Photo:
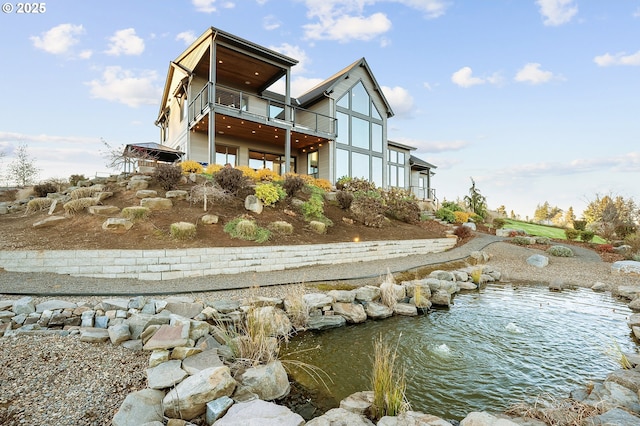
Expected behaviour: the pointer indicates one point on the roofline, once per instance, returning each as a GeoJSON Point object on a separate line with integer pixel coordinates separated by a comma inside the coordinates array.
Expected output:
{"type": "Point", "coordinates": [401, 145]}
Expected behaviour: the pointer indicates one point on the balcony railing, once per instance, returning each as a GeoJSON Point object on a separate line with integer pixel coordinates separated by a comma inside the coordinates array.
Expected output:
{"type": "Point", "coordinates": [262, 108]}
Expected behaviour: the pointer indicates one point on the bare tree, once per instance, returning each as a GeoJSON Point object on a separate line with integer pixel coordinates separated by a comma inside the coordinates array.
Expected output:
{"type": "Point", "coordinates": [22, 169]}
{"type": "Point", "coordinates": [119, 159]}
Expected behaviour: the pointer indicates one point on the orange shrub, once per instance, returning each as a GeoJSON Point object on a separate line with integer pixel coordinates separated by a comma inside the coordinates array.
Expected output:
{"type": "Point", "coordinates": [462, 217]}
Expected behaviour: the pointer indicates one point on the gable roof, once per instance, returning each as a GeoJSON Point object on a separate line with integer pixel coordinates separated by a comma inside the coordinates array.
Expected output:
{"type": "Point", "coordinates": [318, 92]}
{"type": "Point", "coordinates": [419, 164]}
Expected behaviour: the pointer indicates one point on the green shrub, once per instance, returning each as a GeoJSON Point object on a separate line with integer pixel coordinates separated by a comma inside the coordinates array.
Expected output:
{"type": "Point", "coordinates": [587, 236]}
{"type": "Point", "coordinates": [269, 193]}
{"type": "Point", "coordinates": [446, 215]}
{"type": "Point", "coordinates": [560, 251]}
{"type": "Point", "coordinates": [344, 199]}
{"type": "Point", "coordinates": [499, 222]}
{"type": "Point", "coordinates": [453, 206]}
{"type": "Point", "coordinates": [41, 190]}
{"type": "Point", "coordinates": [167, 176]}
{"type": "Point", "coordinates": [231, 180]}
{"type": "Point", "coordinates": [182, 230]}
{"type": "Point", "coordinates": [579, 225]}
{"type": "Point", "coordinates": [571, 234]}
{"type": "Point", "coordinates": [292, 184]}
{"type": "Point", "coordinates": [521, 241]}
{"type": "Point", "coordinates": [247, 229]}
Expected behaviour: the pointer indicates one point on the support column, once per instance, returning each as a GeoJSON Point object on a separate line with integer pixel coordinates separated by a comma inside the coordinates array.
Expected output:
{"type": "Point", "coordinates": [212, 96]}
{"type": "Point", "coordinates": [287, 118]}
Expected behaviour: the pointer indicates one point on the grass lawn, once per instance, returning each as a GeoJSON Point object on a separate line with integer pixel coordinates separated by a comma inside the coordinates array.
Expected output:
{"type": "Point", "coordinates": [543, 230]}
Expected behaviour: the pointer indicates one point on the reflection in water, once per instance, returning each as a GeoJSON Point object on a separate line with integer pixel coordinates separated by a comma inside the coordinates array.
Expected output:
{"type": "Point", "coordinates": [489, 350]}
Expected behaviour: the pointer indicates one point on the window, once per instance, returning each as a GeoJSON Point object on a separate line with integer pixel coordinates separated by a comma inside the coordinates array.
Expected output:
{"type": "Point", "coordinates": [360, 101]}
{"type": "Point", "coordinates": [183, 108]}
{"type": "Point", "coordinates": [396, 167]}
{"type": "Point", "coordinates": [226, 154]}
{"type": "Point", "coordinates": [359, 133]}
{"type": "Point", "coordinates": [342, 163]}
{"type": "Point", "coordinates": [343, 128]}
{"type": "Point", "coordinates": [274, 162]}
{"type": "Point", "coordinates": [312, 164]}
{"type": "Point", "coordinates": [376, 137]}
{"type": "Point", "coordinates": [360, 166]}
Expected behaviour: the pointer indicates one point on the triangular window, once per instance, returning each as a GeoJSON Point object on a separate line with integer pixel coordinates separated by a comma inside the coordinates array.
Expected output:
{"type": "Point", "coordinates": [360, 101]}
{"type": "Point", "coordinates": [344, 102]}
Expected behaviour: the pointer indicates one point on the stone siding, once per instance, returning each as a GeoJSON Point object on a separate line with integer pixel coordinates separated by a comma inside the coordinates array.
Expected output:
{"type": "Point", "coordinates": [184, 263]}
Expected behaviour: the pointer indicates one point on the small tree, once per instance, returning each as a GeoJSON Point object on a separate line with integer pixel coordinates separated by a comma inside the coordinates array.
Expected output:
{"type": "Point", "coordinates": [475, 201]}
{"type": "Point", "coordinates": [22, 169]}
{"type": "Point", "coordinates": [120, 160]}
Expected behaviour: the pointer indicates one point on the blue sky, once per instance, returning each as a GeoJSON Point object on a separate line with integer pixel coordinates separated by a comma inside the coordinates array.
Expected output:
{"type": "Point", "coordinates": [537, 100]}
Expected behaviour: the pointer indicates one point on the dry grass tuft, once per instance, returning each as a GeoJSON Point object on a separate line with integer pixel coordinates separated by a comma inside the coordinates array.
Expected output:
{"type": "Point", "coordinates": [183, 230]}
{"type": "Point", "coordinates": [38, 204]}
{"type": "Point", "coordinates": [388, 381]}
{"type": "Point", "coordinates": [85, 192]}
{"type": "Point", "coordinates": [555, 412]}
{"type": "Point", "coordinates": [76, 206]}
{"type": "Point", "coordinates": [297, 309]}
{"type": "Point", "coordinates": [135, 212]}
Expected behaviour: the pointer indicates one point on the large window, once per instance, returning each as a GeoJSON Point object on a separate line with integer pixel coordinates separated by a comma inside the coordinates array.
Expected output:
{"type": "Point", "coordinates": [274, 162]}
{"type": "Point", "coordinates": [312, 164]}
{"type": "Point", "coordinates": [226, 155]}
{"type": "Point", "coordinates": [360, 136]}
{"type": "Point", "coordinates": [397, 167]}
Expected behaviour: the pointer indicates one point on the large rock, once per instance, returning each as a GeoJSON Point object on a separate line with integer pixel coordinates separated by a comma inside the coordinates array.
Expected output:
{"type": "Point", "coordinates": [614, 417]}
{"type": "Point", "coordinates": [324, 322]}
{"type": "Point", "coordinates": [441, 298]}
{"type": "Point", "coordinates": [140, 407]}
{"type": "Point", "coordinates": [168, 336]}
{"type": "Point", "coordinates": [217, 408]}
{"type": "Point", "coordinates": [136, 184]}
{"type": "Point", "coordinates": [119, 333]}
{"type": "Point", "coordinates": [443, 275]}
{"type": "Point", "coordinates": [377, 310]}
{"type": "Point", "coordinates": [253, 204]}
{"type": "Point", "coordinates": [538, 260]}
{"type": "Point", "coordinates": [626, 267]}
{"type": "Point", "coordinates": [184, 309]}
{"type": "Point", "coordinates": [627, 291]}
{"type": "Point", "coordinates": [201, 361]}
{"type": "Point", "coordinates": [368, 293]}
{"type": "Point", "coordinates": [258, 412]}
{"type": "Point", "coordinates": [178, 194]}
{"type": "Point", "coordinates": [412, 418]}
{"type": "Point", "coordinates": [485, 419]}
{"type": "Point", "coordinates": [275, 320]}
{"type": "Point", "coordinates": [353, 312]}
{"type": "Point", "coordinates": [156, 203]}
{"type": "Point", "coordinates": [103, 210]}
{"type": "Point", "coordinates": [610, 395]}
{"type": "Point", "coordinates": [405, 309]}
{"type": "Point", "coordinates": [268, 382]}
{"type": "Point", "coordinates": [340, 416]}
{"type": "Point", "coordinates": [146, 193]}
{"type": "Point", "coordinates": [165, 375]}
{"type": "Point", "coordinates": [94, 335]}
{"type": "Point", "coordinates": [343, 296]}
{"type": "Point", "coordinates": [627, 378]}
{"type": "Point", "coordinates": [49, 221]}
{"type": "Point", "coordinates": [317, 300]}
{"type": "Point", "coordinates": [189, 398]}
{"type": "Point", "coordinates": [24, 305]}
{"type": "Point", "coordinates": [359, 403]}
{"type": "Point", "coordinates": [117, 224]}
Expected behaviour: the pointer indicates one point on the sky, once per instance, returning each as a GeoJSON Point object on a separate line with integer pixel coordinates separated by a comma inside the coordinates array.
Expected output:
{"type": "Point", "coordinates": [536, 100]}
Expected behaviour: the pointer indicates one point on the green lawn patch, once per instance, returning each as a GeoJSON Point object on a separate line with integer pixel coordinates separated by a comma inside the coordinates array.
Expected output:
{"type": "Point", "coordinates": [538, 230]}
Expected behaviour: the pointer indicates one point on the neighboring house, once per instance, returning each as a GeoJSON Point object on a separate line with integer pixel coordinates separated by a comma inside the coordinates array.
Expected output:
{"type": "Point", "coordinates": [216, 109]}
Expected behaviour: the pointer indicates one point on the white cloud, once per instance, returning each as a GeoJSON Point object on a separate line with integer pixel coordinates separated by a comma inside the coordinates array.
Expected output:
{"type": "Point", "coordinates": [557, 12]}
{"type": "Point", "coordinates": [532, 74]}
{"type": "Point", "coordinates": [636, 14]}
{"type": "Point", "coordinates": [271, 22]}
{"type": "Point", "coordinates": [60, 39]}
{"type": "Point", "coordinates": [187, 37]}
{"type": "Point", "coordinates": [295, 52]}
{"type": "Point", "coordinates": [464, 78]}
{"type": "Point", "coordinates": [434, 146]}
{"type": "Point", "coordinates": [127, 87]}
{"type": "Point", "coordinates": [617, 59]}
{"type": "Point", "coordinates": [209, 6]}
{"type": "Point", "coordinates": [346, 28]}
{"type": "Point", "coordinates": [431, 8]}
{"type": "Point", "coordinates": [125, 42]}
{"type": "Point", "coordinates": [427, 86]}
{"type": "Point", "coordinates": [400, 100]}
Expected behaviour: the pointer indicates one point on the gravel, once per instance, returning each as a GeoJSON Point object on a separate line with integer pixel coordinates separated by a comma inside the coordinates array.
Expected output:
{"type": "Point", "coordinates": [52, 379]}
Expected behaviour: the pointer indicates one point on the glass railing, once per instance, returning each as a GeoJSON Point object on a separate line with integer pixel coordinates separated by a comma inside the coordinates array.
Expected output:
{"type": "Point", "coordinates": [263, 108]}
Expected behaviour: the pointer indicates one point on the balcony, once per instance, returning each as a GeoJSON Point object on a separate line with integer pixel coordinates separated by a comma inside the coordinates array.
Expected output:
{"type": "Point", "coordinates": [251, 107]}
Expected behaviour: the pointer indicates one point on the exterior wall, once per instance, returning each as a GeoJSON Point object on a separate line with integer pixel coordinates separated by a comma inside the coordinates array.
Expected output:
{"type": "Point", "coordinates": [325, 168]}
{"type": "Point", "coordinates": [199, 149]}
{"type": "Point", "coordinates": [183, 263]}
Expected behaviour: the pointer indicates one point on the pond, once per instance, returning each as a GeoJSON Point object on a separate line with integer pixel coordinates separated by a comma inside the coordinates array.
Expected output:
{"type": "Point", "coordinates": [495, 347]}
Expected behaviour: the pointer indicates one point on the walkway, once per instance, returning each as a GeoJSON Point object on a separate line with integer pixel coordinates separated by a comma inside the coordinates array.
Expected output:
{"type": "Point", "coordinates": [42, 284]}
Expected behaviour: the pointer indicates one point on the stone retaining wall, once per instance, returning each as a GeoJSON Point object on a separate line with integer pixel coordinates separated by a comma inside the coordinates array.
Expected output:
{"type": "Point", "coordinates": [183, 263]}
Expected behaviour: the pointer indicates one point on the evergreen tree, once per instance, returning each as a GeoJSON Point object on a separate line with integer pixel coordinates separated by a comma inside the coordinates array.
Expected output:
{"type": "Point", "coordinates": [475, 201]}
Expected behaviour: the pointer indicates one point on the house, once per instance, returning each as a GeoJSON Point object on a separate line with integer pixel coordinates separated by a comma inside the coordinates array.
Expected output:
{"type": "Point", "coordinates": [217, 108]}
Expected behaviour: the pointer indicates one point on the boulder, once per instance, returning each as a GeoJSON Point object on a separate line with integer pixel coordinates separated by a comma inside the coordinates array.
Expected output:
{"type": "Point", "coordinates": [340, 416]}
{"type": "Point", "coordinates": [185, 309]}
{"type": "Point", "coordinates": [140, 407]}
{"type": "Point", "coordinates": [269, 382]}
{"type": "Point", "coordinates": [367, 293]}
{"type": "Point", "coordinates": [610, 395]}
{"type": "Point", "coordinates": [146, 193]}
{"type": "Point", "coordinates": [217, 408]}
{"type": "Point", "coordinates": [324, 322]}
{"type": "Point", "coordinates": [183, 352]}
{"type": "Point", "coordinates": [253, 204]}
{"type": "Point", "coordinates": [115, 304]}
{"type": "Point", "coordinates": [156, 203]}
{"type": "Point", "coordinates": [616, 416]}
{"type": "Point", "coordinates": [103, 210]}
{"type": "Point", "coordinates": [413, 418]}
{"type": "Point", "coordinates": [353, 312]}
{"type": "Point", "coordinates": [405, 309]}
{"type": "Point", "coordinates": [23, 305]}
{"type": "Point", "coordinates": [49, 221]}
{"type": "Point", "coordinates": [626, 291]}
{"type": "Point", "coordinates": [117, 224]}
{"type": "Point", "coordinates": [274, 319]}
{"type": "Point", "coordinates": [165, 375]}
{"type": "Point", "coordinates": [441, 298]}
{"type": "Point", "coordinates": [478, 257]}
{"type": "Point", "coordinates": [209, 219]}
{"type": "Point", "coordinates": [377, 310]}
{"type": "Point", "coordinates": [178, 194]}
{"type": "Point", "coordinates": [94, 335]}
{"type": "Point", "coordinates": [627, 378]}
{"type": "Point", "coordinates": [485, 419]}
{"type": "Point", "coordinates": [359, 403]}
{"type": "Point", "coordinates": [317, 300]}
{"type": "Point", "coordinates": [344, 296]}
{"type": "Point", "coordinates": [137, 184]}
{"type": "Point", "coordinates": [470, 225]}
{"type": "Point", "coordinates": [189, 398]}
{"type": "Point", "coordinates": [258, 412]}
{"type": "Point", "coordinates": [600, 287]}
{"type": "Point", "coordinates": [167, 337]}
{"type": "Point", "coordinates": [119, 333]}
{"type": "Point", "coordinates": [442, 275]}
{"type": "Point", "coordinates": [625, 267]}
{"type": "Point", "coordinates": [201, 361]}
{"type": "Point", "coordinates": [538, 260]}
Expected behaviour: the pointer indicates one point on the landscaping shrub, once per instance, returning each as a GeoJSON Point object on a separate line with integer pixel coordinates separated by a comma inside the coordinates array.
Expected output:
{"type": "Point", "coordinates": [323, 184]}
{"type": "Point", "coordinates": [543, 240]}
{"type": "Point", "coordinates": [571, 234]}
{"type": "Point", "coordinates": [461, 217]}
{"type": "Point", "coordinates": [633, 241]}
{"type": "Point", "coordinates": [168, 176]}
{"type": "Point", "coordinates": [498, 222]}
{"type": "Point", "coordinates": [266, 175]}
{"type": "Point", "coordinates": [401, 204]}
{"type": "Point", "coordinates": [135, 212]}
{"type": "Point", "coordinates": [182, 230]}
{"type": "Point", "coordinates": [190, 166]}
{"type": "Point", "coordinates": [454, 207]}
{"type": "Point", "coordinates": [74, 179]}
{"type": "Point", "coordinates": [85, 192]}
{"type": "Point", "coordinates": [463, 232]}
{"type": "Point", "coordinates": [341, 182]}
{"type": "Point", "coordinates": [38, 204]}
{"type": "Point", "coordinates": [248, 172]}
{"type": "Point", "coordinates": [318, 227]}
{"type": "Point", "coordinates": [579, 225]}
{"type": "Point", "coordinates": [446, 215]}
{"type": "Point", "coordinates": [292, 184]}
{"type": "Point", "coordinates": [231, 180]}
{"type": "Point", "coordinates": [560, 251]}
{"type": "Point", "coordinates": [357, 185]}
{"type": "Point", "coordinates": [604, 248]}
{"type": "Point", "coordinates": [281, 227]}
{"type": "Point", "coordinates": [587, 236]}
{"type": "Point", "coordinates": [212, 169]}
{"type": "Point", "coordinates": [344, 199]}
{"type": "Point", "coordinates": [42, 189]}
{"type": "Point", "coordinates": [369, 210]}
{"type": "Point", "coordinates": [247, 229]}
{"type": "Point", "coordinates": [521, 241]}
{"type": "Point", "coordinates": [313, 209]}
{"type": "Point", "coordinates": [76, 206]}
{"type": "Point", "coordinates": [625, 229]}
{"type": "Point", "coordinates": [269, 193]}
